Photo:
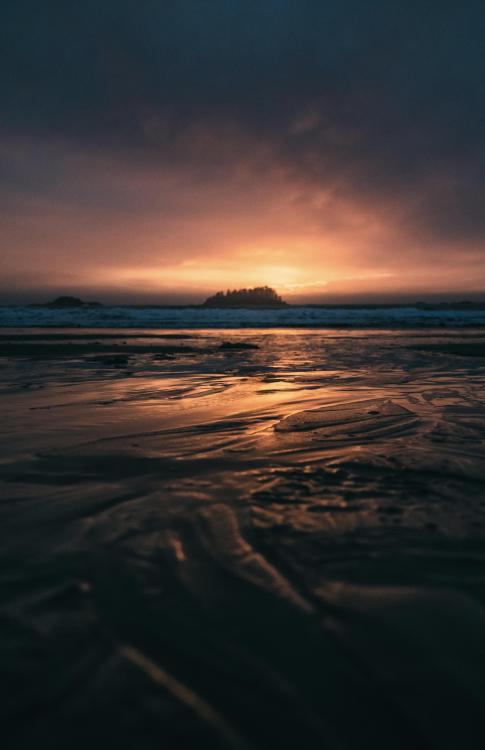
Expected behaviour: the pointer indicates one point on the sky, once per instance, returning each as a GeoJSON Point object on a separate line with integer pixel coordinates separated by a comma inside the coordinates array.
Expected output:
{"type": "Point", "coordinates": [160, 150]}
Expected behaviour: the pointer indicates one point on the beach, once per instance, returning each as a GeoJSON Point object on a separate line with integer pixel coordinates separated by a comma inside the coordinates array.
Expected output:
{"type": "Point", "coordinates": [243, 538]}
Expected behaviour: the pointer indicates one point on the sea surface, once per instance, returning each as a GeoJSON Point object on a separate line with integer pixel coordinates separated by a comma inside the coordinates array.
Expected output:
{"type": "Point", "coordinates": [259, 538]}
{"type": "Point", "coordinates": [200, 317]}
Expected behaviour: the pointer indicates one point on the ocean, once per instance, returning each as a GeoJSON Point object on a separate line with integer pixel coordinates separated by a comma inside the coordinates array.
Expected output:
{"type": "Point", "coordinates": [403, 316]}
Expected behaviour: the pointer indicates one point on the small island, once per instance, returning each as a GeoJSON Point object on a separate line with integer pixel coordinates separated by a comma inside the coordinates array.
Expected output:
{"type": "Point", "coordinates": [66, 301]}
{"type": "Point", "coordinates": [260, 296]}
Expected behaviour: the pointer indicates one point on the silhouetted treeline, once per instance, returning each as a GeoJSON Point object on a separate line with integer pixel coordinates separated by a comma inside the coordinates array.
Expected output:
{"type": "Point", "coordinates": [260, 296]}
{"type": "Point", "coordinates": [66, 301]}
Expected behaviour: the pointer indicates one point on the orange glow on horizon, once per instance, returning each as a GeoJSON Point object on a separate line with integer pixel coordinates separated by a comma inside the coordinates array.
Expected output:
{"type": "Point", "coordinates": [173, 236]}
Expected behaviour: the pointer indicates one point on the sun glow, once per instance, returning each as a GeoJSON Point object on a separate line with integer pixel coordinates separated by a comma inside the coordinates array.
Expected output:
{"type": "Point", "coordinates": [203, 275]}
{"type": "Point", "coordinates": [247, 269]}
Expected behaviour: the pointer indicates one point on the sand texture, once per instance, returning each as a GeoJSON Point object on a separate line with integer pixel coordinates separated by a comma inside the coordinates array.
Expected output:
{"type": "Point", "coordinates": [206, 544]}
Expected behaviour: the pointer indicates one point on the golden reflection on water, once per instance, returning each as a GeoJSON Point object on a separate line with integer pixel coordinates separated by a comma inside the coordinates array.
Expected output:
{"type": "Point", "coordinates": [204, 510]}
{"type": "Point", "coordinates": [204, 395]}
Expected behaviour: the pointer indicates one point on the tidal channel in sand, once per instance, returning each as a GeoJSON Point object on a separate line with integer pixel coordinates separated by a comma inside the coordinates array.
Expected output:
{"type": "Point", "coordinates": [243, 539]}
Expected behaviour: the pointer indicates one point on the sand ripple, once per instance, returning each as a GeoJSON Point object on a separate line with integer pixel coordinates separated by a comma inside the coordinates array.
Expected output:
{"type": "Point", "coordinates": [270, 547]}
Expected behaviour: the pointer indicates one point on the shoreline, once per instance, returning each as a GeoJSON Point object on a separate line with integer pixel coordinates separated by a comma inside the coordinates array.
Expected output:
{"type": "Point", "coordinates": [290, 526]}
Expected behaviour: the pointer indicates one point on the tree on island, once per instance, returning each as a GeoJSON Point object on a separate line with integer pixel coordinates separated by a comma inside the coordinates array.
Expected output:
{"type": "Point", "coordinates": [260, 296]}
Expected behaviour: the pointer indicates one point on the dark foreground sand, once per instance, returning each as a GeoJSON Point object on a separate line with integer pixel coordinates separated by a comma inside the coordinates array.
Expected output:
{"type": "Point", "coordinates": [232, 547]}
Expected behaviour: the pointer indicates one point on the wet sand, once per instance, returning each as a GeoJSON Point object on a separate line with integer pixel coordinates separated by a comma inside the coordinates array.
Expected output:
{"type": "Point", "coordinates": [210, 545]}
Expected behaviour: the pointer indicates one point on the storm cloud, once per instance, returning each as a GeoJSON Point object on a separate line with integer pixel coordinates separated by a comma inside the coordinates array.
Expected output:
{"type": "Point", "coordinates": [345, 136]}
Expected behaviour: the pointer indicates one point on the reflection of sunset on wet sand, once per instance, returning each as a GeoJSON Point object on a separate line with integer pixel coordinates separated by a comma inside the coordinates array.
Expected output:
{"type": "Point", "coordinates": [318, 491]}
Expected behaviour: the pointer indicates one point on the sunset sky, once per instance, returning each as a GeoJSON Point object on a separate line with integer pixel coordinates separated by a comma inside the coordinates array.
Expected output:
{"type": "Point", "coordinates": [161, 150]}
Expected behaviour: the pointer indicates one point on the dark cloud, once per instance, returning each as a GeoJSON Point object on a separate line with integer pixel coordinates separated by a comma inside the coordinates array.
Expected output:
{"type": "Point", "coordinates": [379, 100]}
{"type": "Point", "coordinates": [80, 68]}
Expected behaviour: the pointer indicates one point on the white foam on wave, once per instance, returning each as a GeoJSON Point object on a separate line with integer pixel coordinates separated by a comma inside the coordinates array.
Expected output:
{"type": "Point", "coordinates": [193, 317]}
